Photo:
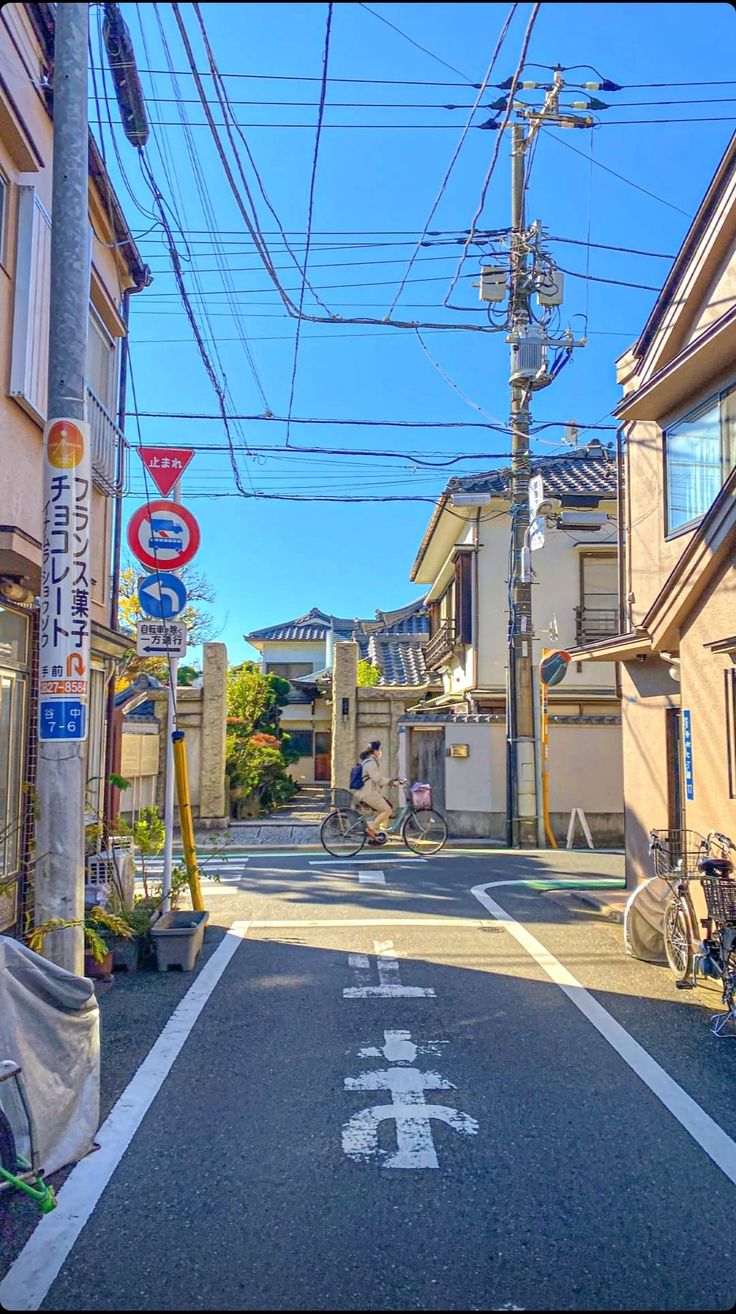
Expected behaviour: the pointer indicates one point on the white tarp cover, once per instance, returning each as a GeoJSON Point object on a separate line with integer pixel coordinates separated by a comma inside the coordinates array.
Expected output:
{"type": "Point", "coordinates": [50, 1026]}
{"type": "Point", "coordinates": [643, 921]}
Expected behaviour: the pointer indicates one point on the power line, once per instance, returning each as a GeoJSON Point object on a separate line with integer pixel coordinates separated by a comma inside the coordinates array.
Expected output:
{"type": "Point", "coordinates": [620, 176]}
{"type": "Point", "coordinates": [362, 423]}
{"type": "Point", "coordinates": [310, 210]}
{"type": "Point", "coordinates": [414, 43]}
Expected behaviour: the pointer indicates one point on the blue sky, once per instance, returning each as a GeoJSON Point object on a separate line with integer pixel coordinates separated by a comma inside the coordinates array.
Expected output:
{"type": "Point", "coordinates": [270, 560]}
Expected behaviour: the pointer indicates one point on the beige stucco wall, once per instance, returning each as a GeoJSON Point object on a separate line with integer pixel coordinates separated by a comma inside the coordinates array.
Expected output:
{"type": "Point", "coordinates": [703, 693]}
{"type": "Point", "coordinates": [647, 692]}
{"type": "Point", "coordinates": [373, 713]}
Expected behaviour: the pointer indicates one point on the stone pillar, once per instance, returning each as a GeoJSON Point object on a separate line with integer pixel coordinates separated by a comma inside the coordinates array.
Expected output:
{"type": "Point", "coordinates": [344, 719]}
{"type": "Point", "coordinates": [212, 805]}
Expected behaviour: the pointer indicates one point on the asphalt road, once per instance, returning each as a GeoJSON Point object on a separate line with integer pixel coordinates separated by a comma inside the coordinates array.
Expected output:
{"type": "Point", "coordinates": [388, 1103]}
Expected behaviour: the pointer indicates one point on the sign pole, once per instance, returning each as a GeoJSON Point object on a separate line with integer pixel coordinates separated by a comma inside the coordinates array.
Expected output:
{"type": "Point", "coordinates": [169, 782]}
{"type": "Point", "coordinates": [65, 575]}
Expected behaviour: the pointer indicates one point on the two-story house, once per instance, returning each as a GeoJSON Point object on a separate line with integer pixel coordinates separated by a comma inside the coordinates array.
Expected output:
{"type": "Point", "coordinates": [302, 651]}
{"type": "Point", "coordinates": [677, 639]}
{"type": "Point", "coordinates": [463, 560]}
{"type": "Point", "coordinates": [116, 269]}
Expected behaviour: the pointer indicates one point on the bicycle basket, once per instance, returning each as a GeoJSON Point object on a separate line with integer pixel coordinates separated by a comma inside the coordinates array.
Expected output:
{"type": "Point", "coordinates": [676, 853]}
{"type": "Point", "coordinates": [720, 896]}
{"type": "Point", "coordinates": [420, 795]}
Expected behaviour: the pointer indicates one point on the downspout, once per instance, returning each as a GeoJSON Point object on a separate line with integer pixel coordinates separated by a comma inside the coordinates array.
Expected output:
{"type": "Point", "coordinates": [476, 613]}
{"type": "Point", "coordinates": [621, 531]}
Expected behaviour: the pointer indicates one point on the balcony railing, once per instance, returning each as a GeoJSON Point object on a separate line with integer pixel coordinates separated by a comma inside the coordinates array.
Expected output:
{"type": "Point", "coordinates": [106, 439]}
{"type": "Point", "coordinates": [594, 623]}
{"type": "Point", "coordinates": [440, 645]}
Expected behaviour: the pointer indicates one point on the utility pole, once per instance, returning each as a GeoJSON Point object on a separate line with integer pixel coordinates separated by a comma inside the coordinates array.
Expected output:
{"type": "Point", "coordinates": [530, 342]}
{"type": "Point", "coordinates": [64, 642]}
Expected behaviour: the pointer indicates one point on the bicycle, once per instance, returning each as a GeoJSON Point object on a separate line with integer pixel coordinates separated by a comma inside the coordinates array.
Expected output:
{"type": "Point", "coordinates": [424, 830]}
{"type": "Point", "coordinates": [681, 857]}
{"type": "Point", "coordinates": [15, 1171]}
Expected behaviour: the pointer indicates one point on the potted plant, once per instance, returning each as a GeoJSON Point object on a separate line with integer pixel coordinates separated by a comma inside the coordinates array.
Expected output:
{"type": "Point", "coordinates": [101, 927]}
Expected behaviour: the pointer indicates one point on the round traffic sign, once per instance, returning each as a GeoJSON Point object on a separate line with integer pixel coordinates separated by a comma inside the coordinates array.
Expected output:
{"type": "Point", "coordinates": [553, 667]}
{"type": "Point", "coordinates": [162, 595]}
{"type": "Point", "coordinates": [163, 535]}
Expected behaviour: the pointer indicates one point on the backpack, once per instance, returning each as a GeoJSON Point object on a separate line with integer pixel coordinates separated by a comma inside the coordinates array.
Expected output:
{"type": "Point", "coordinates": [356, 776]}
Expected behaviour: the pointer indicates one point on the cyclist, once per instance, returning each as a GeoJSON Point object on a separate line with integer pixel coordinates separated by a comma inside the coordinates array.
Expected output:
{"type": "Point", "coordinates": [370, 793]}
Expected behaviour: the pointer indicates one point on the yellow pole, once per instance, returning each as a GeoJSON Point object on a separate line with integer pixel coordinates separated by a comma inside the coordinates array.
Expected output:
{"type": "Point", "coordinates": [545, 768]}
{"type": "Point", "coordinates": [185, 818]}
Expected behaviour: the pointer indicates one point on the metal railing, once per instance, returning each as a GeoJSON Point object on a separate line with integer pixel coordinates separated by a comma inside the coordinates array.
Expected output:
{"type": "Point", "coordinates": [106, 439]}
{"type": "Point", "coordinates": [593, 623]}
{"type": "Point", "coordinates": [440, 644]}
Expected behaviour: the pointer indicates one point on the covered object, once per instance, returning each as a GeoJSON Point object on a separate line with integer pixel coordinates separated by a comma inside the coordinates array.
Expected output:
{"type": "Point", "coordinates": [50, 1026]}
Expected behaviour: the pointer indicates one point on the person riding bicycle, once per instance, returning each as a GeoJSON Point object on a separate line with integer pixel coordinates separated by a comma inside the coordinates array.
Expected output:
{"type": "Point", "coordinates": [370, 793]}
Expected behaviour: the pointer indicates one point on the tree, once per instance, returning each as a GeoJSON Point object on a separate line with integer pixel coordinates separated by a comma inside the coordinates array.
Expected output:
{"type": "Point", "coordinates": [199, 621]}
{"type": "Point", "coordinates": [257, 752]}
{"type": "Point", "coordinates": [368, 675]}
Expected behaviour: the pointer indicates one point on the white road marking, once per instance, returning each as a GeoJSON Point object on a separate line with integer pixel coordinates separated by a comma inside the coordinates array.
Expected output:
{"type": "Point", "coordinates": [389, 986]}
{"type": "Point", "coordinates": [297, 923]}
{"type": "Point", "coordinates": [362, 862]}
{"type": "Point", "coordinates": [29, 1278]}
{"type": "Point", "coordinates": [408, 1108]}
{"type": "Point", "coordinates": [372, 878]}
{"type": "Point", "coordinates": [704, 1130]}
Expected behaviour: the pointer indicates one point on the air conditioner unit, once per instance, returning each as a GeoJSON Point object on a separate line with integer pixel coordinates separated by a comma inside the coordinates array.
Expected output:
{"type": "Point", "coordinates": [583, 520]}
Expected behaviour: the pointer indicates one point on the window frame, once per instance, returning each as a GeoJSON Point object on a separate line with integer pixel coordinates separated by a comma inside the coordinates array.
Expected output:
{"type": "Point", "coordinates": [729, 684]}
{"type": "Point", "coordinates": [4, 210]}
{"type": "Point", "coordinates": [713, 401]}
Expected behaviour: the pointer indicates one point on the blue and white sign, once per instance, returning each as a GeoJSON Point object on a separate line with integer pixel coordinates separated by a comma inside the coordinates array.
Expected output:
{"type": "Point", "coordinates": [687, 745]}
{"type": "Point", "coordinates": [62, 718]}
{"type": "Point", "coordinates": [162, 595]}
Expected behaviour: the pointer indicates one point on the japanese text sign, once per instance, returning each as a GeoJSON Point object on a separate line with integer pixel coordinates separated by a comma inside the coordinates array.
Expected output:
{"type": "Point", "coordinates": [65, 620]}
{"type": "Point", "coordinates": [165, 465]}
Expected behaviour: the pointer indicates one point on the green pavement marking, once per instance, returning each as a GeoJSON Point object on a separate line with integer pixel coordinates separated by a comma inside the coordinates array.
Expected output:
{"type": "Point", "coordinates": [593, 883]}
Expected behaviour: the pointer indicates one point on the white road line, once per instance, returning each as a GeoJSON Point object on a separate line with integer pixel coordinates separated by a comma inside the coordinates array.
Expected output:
{"type": "Point", "coordinates": [29, 1278]}
{"type": "Point", "coordinates": [704, 1130]}
{"type": "Point", "coordinates": [371, 878]}
{"type": "Point", "coordinates": [360, 862]}
{"type": "Point", "coordinates": [297, 923]}
{"type": "Point", "coordinates": [389, 986]}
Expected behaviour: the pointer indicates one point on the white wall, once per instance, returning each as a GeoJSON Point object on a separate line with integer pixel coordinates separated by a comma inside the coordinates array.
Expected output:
{"type": "Point", "coordinates": [313, 652]}
{"type": "Point", "coordinates": [468, 779]}
{"type": "Point", "coordinates": [555, 592]}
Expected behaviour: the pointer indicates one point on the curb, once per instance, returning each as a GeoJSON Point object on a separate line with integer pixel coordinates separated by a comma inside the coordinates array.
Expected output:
{"type": "Point", "coordinates": [600, 902]}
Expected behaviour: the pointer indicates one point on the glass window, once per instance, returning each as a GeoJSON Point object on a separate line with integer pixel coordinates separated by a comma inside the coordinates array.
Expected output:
{"type": "Point", "coordinates": [13, 636]}
{"type": "Point", "coordinates": [12, 756]}
{"type": "Point", "coordinates": [96, 741]}
{"type": "Point", "coordinates": [101, 362]}
{"type": "Point", "coordinates": [700, 452]}
{"type": "Point", "coordinates": [289, 670]}
{"type": "Point", "coordinates": [301, 741]}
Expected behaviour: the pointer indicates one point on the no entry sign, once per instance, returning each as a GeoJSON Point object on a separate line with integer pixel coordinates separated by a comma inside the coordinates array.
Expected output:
{"type": "Point", "coordinates": [163, 534]}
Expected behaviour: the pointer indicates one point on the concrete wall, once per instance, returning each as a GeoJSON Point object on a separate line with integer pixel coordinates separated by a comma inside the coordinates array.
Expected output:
{"type": "Point", "coordinates": [373, 713]}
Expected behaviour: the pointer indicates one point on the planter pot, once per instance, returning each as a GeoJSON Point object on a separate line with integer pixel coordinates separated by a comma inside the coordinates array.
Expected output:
{"type": "Point", "coordinates": [98, 971]}
{"type": "Point", "coordinates": [125, 956]}
{"type": "Point", "coordinates": [178, 939]}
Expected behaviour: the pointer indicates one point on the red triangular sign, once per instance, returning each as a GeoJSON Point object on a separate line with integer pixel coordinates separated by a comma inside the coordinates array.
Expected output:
{"type": "Point", "coordinates": [165, 465]}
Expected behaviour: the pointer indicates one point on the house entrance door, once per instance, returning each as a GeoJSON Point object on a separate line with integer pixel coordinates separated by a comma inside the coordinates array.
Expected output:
{"type": "Point", "coordinates": [322, 755]}
{"type": "Point", "coordinates": [427, 761]}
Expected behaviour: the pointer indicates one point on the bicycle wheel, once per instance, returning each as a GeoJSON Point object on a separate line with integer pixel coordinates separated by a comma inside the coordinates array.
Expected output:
{"type": "Point", "coordinates": [677, 941]}
{"type": "Point", "coordinates": [343, 833]}
{"type": "Point", "coordinates": [424, 831]}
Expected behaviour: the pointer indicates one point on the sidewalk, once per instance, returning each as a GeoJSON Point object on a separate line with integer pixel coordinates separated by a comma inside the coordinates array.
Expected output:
{"type": "Point", "coordinates": [610, 903]}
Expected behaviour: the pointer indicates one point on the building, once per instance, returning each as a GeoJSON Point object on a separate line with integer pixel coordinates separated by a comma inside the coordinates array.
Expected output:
{"type": "Point", "coordinates": [303, 652]}
{"type": "Point", "coordinates": [676, 641]}
{"type": "Point", "coordinates": [116, 270]}
{"type": "Point", "coordinates": [459, 746]}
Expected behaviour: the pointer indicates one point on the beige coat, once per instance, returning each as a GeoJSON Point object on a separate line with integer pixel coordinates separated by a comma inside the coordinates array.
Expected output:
{"type": "Point", "coordinates": [373, 789]}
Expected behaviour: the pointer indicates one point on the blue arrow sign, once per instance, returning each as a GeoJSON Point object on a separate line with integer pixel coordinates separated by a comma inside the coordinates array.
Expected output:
{"type": "Point", "coordinates": [162, 595]}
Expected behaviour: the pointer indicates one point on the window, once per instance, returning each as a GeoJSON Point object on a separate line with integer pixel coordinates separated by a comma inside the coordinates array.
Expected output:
{"type": "Point", "coordinates": [288, 670]}
{"type": "Point", "coordinates": [100, 365]}
{"type": "Point", "coordinates": [699, 453]}
{"type": "Point", "coordinates": [301, 740]}
{"type": "Point", "coordinates": [95, 768]}
{"type": "Point", "coordinates": [30, 347]}
{"type": "Point", "coordinates": [12, 757]}
{"type": "Point", "coordinates": [464, 596]}
{"type": "Point", "coordinates": [729, 677]}
{"type": "Point", "coordinates": [598, 611]}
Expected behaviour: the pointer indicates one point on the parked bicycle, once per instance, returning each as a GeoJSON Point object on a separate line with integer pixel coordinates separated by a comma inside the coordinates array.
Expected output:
{"type": "Point", "coordinates": [422, 828]}
{"type": "Point", "coordinates": [15, 1171]}
{"type": "Point", "coordinates": [700, 945]}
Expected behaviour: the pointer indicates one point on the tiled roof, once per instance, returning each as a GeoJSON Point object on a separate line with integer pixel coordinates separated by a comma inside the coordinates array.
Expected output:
{"type": "Point", "coordinates": [399, 658]}
{"type": "Point", "coordinates": [314, 627]}
{"type": "Point", "coordinates": [589, 473]}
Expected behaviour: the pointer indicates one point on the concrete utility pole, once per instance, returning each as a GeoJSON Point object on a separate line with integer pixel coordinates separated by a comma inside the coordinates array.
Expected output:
{"type": "Point", "coordinates": [59, 874]}
{"type": "Point", "coordinates": [529, 371]}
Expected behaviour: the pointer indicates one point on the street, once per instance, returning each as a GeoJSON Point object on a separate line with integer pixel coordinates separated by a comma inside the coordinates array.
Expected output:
{"type": "Point", "coordinates": [375, 1096]}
